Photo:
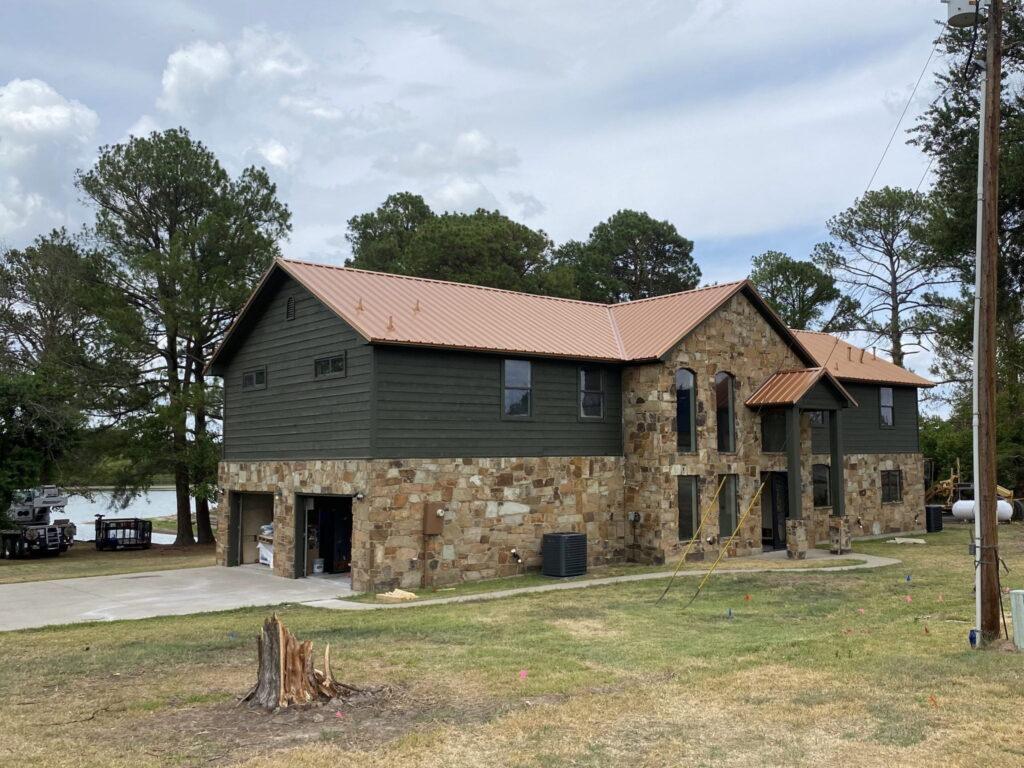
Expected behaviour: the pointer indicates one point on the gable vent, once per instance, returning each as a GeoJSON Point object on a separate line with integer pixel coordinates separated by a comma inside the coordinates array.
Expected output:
{"type": "Point", "coordinates": [289, 309]}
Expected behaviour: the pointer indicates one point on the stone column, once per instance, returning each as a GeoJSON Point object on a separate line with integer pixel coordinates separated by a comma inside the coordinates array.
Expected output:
{"type": "Point", "coordinates": [839, 535]}
{"type": "Point", "coordinates": [796, 539]}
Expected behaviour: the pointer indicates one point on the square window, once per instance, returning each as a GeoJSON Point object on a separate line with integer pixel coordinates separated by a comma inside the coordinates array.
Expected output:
{"type": "Point", "coordinates": [818, 419]}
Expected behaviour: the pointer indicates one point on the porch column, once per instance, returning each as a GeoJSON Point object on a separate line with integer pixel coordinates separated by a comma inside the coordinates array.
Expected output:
{"type": "Point", "coordinates": [835, 438]}
{"type": "Point", "coordinates": [793, 463]}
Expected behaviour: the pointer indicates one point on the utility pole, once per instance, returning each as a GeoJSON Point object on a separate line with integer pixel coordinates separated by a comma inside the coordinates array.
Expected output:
{"type": "Point", "coordinates": [967, 13]}
{"type": "Point", "coordinates": [985, 477]}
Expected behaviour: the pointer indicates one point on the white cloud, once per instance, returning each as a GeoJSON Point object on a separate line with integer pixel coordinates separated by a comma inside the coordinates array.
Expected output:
{"type": "Point", "coordinates": [43, 138]}
{"type": "Point", "coordinates": [470, 153]}
{"type": "Point", "coordinates": [462, 195]}
{"type": "Point", "coordinates": [528, 205]}
{"type": "Point", "coordinates": [277, 154]}
{"type": "Point", "coordinates": [192, 76]}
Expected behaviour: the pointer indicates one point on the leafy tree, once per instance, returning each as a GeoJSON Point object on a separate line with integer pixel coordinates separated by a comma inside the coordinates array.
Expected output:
{"type": "Point", "coordinates": [482, 248]}
{"type": "Point", "coordinates": [803, 294]}
{"type": "Point", "coordinates": [380, 239]}
{"type": "Point", "coordinates": [879, 253]}
{"type": "Point", "coordinates": [183, 245]}
{"type": "Point", "coordinates": [631, 256]}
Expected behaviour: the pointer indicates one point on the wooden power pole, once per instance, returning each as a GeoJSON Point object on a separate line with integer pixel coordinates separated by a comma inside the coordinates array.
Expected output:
{"type": "Point", "coordinates": [985, 482]}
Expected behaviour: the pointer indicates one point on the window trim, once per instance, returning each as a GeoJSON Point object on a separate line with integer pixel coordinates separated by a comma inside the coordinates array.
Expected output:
{"type": "Point", "coordinates": [693, 410]}
{"type": "Point", "coordinates": [899, 486]}
{"type": "Point", "coordinates": [828, 486]}
{"type": "Point", "coordinates": [603, 391]}
{"type": "Point", "coordinates": [732, 413]}
{"type": "Point", "coordinates": [255, 387]}
{"type": "Point", "coordinates": [891, 407]}
{"type": "Point", "coordinates": [501, 404]}
{"type": "Point", "coordinates": [343, 356]}
{"type": "Point", "coordinates": [734, 485]}
{"type": "Point", "coordinates": [695, 512]}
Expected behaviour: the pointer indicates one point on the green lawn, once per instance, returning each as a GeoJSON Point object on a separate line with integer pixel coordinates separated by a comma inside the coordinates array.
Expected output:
{"type": "Point", "coordinates": [812, 669]}
{"type": "Point", "coordinates": [83, 559]}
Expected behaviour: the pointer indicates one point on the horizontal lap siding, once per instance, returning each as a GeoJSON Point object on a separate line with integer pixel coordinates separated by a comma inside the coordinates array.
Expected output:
{"type": "Point", "coordinates": [435, 403]}
{"type": "Point", "coordinates": [862, 426]}
{"type": "Point", "coordinates": [297, 416]}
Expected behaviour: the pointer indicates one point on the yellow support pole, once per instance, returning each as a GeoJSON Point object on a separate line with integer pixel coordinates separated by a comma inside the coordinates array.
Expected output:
{"type": "Point", "coordinates": [696, 535]}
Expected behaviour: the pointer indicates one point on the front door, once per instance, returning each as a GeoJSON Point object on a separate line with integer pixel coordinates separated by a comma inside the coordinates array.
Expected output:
{"type": "Point", "coordinates": [774, 509]}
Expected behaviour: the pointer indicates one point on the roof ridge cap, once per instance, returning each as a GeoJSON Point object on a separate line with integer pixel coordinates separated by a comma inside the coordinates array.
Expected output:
{"type": "Point", "coordinates": [444, 282]}
{"type": "Point", "coordinates": [676, 293]}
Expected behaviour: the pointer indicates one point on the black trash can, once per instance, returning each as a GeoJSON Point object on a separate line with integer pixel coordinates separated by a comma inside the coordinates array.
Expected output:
{"type": "Point", "coordinates": [564, 554]}
{"type": "Point", "coordinates": [933, 518]}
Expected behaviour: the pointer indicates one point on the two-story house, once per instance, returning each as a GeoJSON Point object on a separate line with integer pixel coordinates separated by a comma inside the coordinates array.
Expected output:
{"type": "Point", "coordinates": [417, 431]}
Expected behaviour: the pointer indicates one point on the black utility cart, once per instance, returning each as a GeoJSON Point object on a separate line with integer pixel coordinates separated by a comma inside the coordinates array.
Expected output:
{"type": "Point", "coordinates": [123, 533]}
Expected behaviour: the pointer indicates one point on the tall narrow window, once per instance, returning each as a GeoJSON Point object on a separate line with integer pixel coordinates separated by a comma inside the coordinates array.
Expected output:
{"type": "Point", "coordinates": [822, 485]}
{"type": "Point", "coordinates": [686, 411]}
{"type": "Point", "coordinates": [517, 387]}
{"type": "Point", "coordinates": [689, 506]}
{"type": "Point", "coordinates": [773, 430]}
{"type": "Point", "coordinates": [886, 406]}
{"type": "Point", "coordinates": [892, 485]}
{"type": "Point", "coordinates": [591, 393]}
{"type": "Point", "coordinates": [728, 507]}
{"type": "Point", "coordinates": [724, 413]}
{"type": "Point", "coordinates": [289, 308]}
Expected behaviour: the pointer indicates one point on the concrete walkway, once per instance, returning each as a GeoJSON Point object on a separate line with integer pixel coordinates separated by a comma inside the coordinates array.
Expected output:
{"type": "Point", "coordinates": [156, 593]}
{"type": "Point", "coordinates": [869, 561]}
{"type": "Point", "coordinates": [201, 590]}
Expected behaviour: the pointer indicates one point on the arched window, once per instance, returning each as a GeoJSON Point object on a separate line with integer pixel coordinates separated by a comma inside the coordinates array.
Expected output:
{"type": "Point", "coordinates": [724, 412]}
{"type": "Point", "coordinates": [686, 411]}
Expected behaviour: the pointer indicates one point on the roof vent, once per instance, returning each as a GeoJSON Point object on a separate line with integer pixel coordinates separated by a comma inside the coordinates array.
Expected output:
{"type": "Point", "coordinates": [289, 308]}
{"type": "Point", "coordinates": [391, 322]}
{"type": "Point", "coordinates": [359, 306]}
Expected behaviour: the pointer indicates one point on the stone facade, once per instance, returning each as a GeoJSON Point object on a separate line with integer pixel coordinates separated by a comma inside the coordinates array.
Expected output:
{"type": "Point", "coordinates": [491, 506]}
{"type": "Point", "coordinates": [736, 339]}
{"type": "Point", "coordinates": [867, 514]}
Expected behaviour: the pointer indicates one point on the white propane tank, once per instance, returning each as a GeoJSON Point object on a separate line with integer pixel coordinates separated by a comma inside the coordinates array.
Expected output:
{"type": "Point", "coordinates": [964, 510]}
{"type": "Point", "coordinates": [962, 13]}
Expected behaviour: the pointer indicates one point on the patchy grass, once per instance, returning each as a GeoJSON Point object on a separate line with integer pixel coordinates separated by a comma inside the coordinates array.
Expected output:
{"type": "Point", "coordinates": [83, 559]}
{"type": "Point", "coordinates": [535, 579]}
{"type": "Point", "coordinates": [799, 676]}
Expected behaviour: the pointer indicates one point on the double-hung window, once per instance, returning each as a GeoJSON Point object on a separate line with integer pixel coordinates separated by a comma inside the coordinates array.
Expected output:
{"type": "Point", "coordinates": [591, 393]}
{"type": "Point", "coordinates": [689, 506]}
{"type": "Point", "coordinates": [728, 507]}
{"type": "Point", "coordinates": [517, 389]}
{"type": "Point", "coordinates": [892, 485]}
{"type": "Point", "coordinates": [886, 407]}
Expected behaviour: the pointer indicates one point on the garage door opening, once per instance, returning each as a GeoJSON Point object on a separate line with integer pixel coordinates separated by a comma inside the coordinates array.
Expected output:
{"type": "Point", "coordinates": [251, 514]}
{"type": "Point", "coordinates": [327, 530]}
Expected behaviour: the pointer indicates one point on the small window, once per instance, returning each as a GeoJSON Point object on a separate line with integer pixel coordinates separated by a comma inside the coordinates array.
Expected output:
{"type": "Point", "coordinates": [822, 485]}
{"type": "Point", "coordinates": [818, 419]}
{"type": "Point", "coordinates": [724, 412]}
{"type": "Point", "coordinates": [892, 485]}
{"type": "Point", "coordinates": [255, 379]}
{"type": "Point", "coordinates": [517, 388]}
{"type": "Point", "coordinates": [689, 506]}
{"type": "Point", "coordinates": [773, 431]}
{"type": "Point", "coordinates": [591, 393]}
{"type": "Point", "coordinates": [886, 406]}
{"type": "Point", "coordinates": [329, 366]}
{"type": "Point", "coordinates": [728, 507]}
{"type": "Point", "coordinates": [289, 308]}
{"type": "Point", "coordinates": [686, 412]}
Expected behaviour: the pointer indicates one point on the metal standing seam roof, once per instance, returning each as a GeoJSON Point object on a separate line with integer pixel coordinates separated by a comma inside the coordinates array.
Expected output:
{"type": "Point", "coordinates": [788, 387]}
{"type": "Point", "coordinates": [850, 363]}
{"type": "Point", "coordinates": [399, 309]}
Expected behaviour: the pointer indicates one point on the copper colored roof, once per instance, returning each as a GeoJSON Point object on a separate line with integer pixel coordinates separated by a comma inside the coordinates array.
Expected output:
{"type": "Point", "coordinates": [788, 387]}
{"type": "Point", "coordinates": [849, 363]}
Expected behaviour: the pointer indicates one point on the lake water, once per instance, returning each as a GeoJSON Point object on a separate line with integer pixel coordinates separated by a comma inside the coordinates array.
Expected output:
{"type": "Point", "coordinates": [82, 512]}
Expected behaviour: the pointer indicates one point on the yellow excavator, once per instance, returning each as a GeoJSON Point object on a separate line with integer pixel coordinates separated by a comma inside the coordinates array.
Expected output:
{"type": "Point", "coordinates": [947, 492]}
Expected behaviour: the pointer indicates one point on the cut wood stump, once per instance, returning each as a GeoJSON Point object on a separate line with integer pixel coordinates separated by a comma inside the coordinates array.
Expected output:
{"type": "Point", "coordinates": [286, 676]}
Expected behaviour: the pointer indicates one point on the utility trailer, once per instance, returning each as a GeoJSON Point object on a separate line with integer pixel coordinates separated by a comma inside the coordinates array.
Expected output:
{"type": "Point", "coordinates": [123, 533]}
{"type": "Point", "coordinates": [36, 533]}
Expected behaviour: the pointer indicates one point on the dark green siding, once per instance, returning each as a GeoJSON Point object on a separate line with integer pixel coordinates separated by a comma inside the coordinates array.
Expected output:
{"type": "Point", "coordinates": [436, 403]}
{"type": "Point", "coordinates": [862, 426]}
{"type": "Point", "coordinates": [297, 416]}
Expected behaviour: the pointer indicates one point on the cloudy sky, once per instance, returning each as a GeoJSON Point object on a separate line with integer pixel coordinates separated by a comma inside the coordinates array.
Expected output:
{"type": "Point", "coordinates": [746, 123]}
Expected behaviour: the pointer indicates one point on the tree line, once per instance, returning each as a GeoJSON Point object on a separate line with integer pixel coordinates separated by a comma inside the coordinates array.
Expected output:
{"type": "Point", "coordinates": [106, 332]}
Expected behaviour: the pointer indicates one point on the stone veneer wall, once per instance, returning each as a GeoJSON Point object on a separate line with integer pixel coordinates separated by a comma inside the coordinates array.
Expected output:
{"type": "Point", "coordinates": [736, 339]}
{"type": "Point", "coordinates": [493, 505]}
{"type": "Point", "coordinates": [863, 482]}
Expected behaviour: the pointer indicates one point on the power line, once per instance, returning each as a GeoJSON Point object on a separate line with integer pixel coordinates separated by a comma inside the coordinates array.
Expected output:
{"type": "Point", "coordinates": [903, 114]}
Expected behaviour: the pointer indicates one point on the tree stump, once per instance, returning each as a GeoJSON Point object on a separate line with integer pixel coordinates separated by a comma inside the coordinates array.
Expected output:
{"type": "Point", "coordinates": [286, 675]}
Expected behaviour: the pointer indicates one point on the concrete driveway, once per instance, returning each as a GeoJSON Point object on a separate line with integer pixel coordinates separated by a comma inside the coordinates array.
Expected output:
{"type": "Point", "coordinates": [156, 593]}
